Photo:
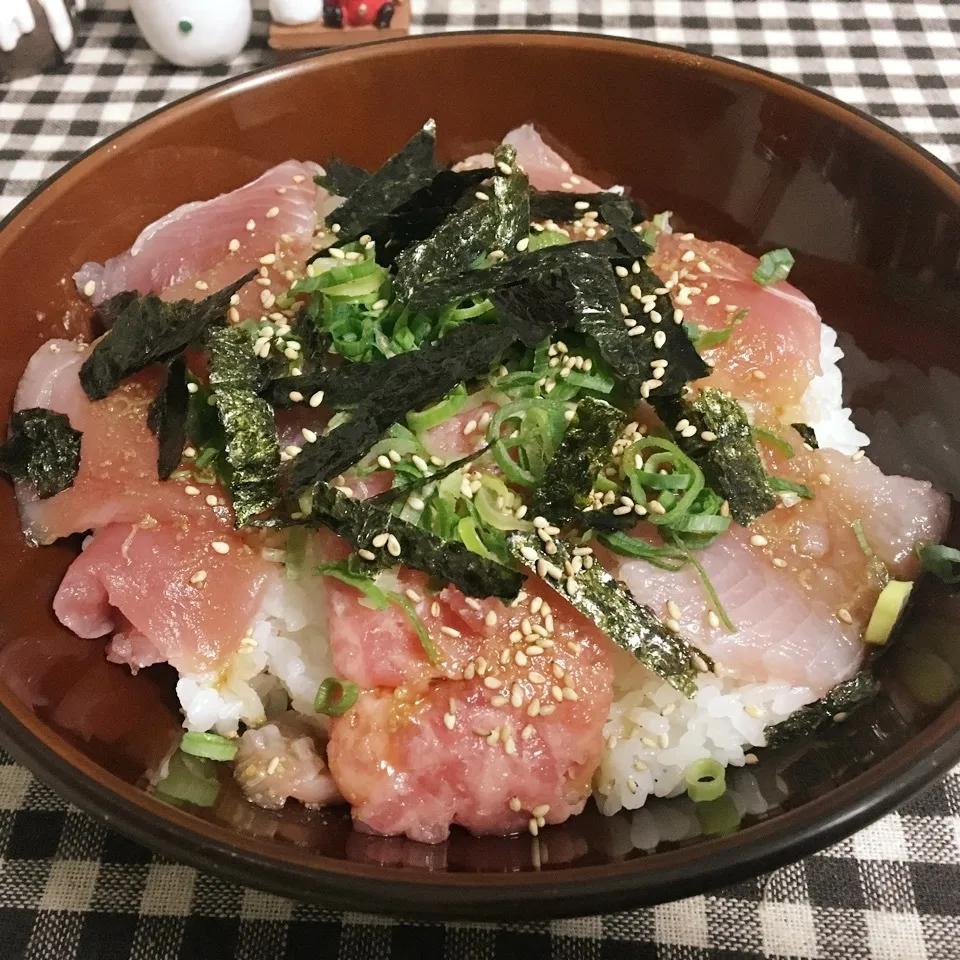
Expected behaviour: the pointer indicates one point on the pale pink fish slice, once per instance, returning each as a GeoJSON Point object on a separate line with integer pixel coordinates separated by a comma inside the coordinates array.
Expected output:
{"type": "Point", "coordinates": [214, 242]}
{"type": "Point", "coordinates": [546, 168]}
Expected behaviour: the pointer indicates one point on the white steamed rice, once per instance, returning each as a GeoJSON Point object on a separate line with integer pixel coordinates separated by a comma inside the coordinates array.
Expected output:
{"type": "Point", "coordinates": [653, 733]}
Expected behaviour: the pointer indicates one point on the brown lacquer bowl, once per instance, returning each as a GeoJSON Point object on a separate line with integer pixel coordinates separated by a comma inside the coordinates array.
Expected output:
{"type": "Point", "coordinates": [740, 155]}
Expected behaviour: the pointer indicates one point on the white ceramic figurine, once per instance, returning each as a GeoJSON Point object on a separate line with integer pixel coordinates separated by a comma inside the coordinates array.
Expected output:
{"type": "Point", "coordinates": [295, 12]}
{"type": "Point", "coordinates": [34, 34]}
{"type": "Point", "coordinates": [194, 33]}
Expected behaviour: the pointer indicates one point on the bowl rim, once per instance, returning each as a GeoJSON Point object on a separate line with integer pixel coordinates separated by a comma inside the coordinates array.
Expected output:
{"type": "Point", "coordinates": [570, 891]}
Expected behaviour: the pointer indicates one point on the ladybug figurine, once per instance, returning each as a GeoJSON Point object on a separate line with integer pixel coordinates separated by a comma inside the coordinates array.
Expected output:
{"type": "Point", "coordinates": [358, 13]}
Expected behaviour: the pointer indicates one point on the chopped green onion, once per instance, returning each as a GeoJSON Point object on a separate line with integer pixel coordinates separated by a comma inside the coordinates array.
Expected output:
{"type": "Point", "coordinates": [893, 598]}
{"type": "Point", "coordinates": [779, 485]}
{"type": "Point", "coordinates": [939, 559]}
{"type": "Point", "coordinates": [295, 552]}
{"type": "Point", "coordinates": [190, 780]}
{"type": "Point", "coordinates": [704, 339]}
{"type": "Point", "coordinates": [774, 265]}
{"type": "Point", "coordinates": [467, 531]}
{"type": "Point", "coordinates": [439, 412]}
{"type": "Point", "coordinates": [718, 817]}
{"type": "Point", "coordinates": [773, 440]}
{"type": "Point", "coordinates": [335, 697]}
{"type": "Point", "coordinates": [877, 566]}
{"type": "Point", "coordinates": [706, 780]}
{"type": "Point", "coordinates": [546, 238]}
{"type": "Point", "coordinates": [211, 746]}
{"type": "Point", "coordinates": [337, 275]}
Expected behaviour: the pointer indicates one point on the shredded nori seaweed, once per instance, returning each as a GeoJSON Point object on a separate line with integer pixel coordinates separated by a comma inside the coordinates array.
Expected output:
{"type": "Point", "coordinates": [42, 450]}
{"type": "Point", "coordinates": [537, 308]}
{"type": "Point", "coordinates": [730, 463]}
{"type": "Point", "coordinates": [611, 606]}
{"type": "Point", "coordinates": [494, 224]}
{"type": "Point", "coordinates": [423, 213]}
{"type": "Point", "coordinates": [167, 417]}
{"type": "Point", "coordinates": [148, 330]}
{"type": "Point", "coordinates": [342, 179]}
{"type": "Point", "coordinates": [389, 389]}
{"type": "Point", "coordinates": [808, 435]}
{"type": "Point", "coordinates": [359, 522]}
{"type": "Point", "coordinates": [506, 273]}
{"type": "Point", "coordinates": [619, 213]}
{"type": "Point", "coordinates": [392, 185]}
{"type": "Point", "coordinates": [252, 445]}
{"type": "Point", "coordinates": [840, 701]}
{"type": "Point", "coordinates": [564, 488]}
{"type": "Point", "coordinates": [560, 206]}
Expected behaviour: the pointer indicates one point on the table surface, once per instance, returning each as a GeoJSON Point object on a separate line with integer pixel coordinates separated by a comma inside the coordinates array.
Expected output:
{"type": "Point", "coordinates": [70, 888]}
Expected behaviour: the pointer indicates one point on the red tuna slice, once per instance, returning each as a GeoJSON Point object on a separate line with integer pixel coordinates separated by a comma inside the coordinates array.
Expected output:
{"type": "Point", "coordinates": [545, 168]}
{"type": "Point", "coordinates": [495, 746]}
{"type": "Point", "coordinates": [174, 597]}
{"type": "Point", "coordinates": [204, 246]}
{"type": "Point", "coordinates": [774, 353]}
{"type": "Point", "coordinates": [117, 481]}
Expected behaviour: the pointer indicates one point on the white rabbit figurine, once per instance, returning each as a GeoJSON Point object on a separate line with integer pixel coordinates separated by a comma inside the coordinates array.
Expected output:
{"type": "Point", "coordinates": [195, 33]}
{"type": "Point", "coordinates": [295, 12]}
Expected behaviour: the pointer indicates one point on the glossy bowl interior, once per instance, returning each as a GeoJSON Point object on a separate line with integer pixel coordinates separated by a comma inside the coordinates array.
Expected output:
{"type": "Point", "coordinates": [739, 155]}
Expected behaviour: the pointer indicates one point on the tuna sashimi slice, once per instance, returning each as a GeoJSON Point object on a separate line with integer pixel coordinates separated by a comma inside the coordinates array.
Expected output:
{"type": "Point", "coordinates": [207, 245]}
{"type": "Point", "coordinates": [117, 481]}
{"type": "Point", "coordinates": [492, 741]}
{"type": "Point", "coordinates": [774, 353]}
{"type": "Point", "coordinates": [171, 595]}
{"type": "Point", "coordinates": [546, 169]}
{"type": "Point", "coordinates": [797, 584]}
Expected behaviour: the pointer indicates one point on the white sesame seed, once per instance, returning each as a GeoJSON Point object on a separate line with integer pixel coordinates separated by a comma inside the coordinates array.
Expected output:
{"type": "Point", "coordinates": [708, 435]}
{"type": "Point", "coordinates": [659, 339]}
{"type": "Point", "coordinates": [380, 540]}
{"type": "Point", "coordinates": [673, 610]}
{"type": "Point", "coordinates": [419, 463]}
{"type": "Point", "coordinates": [393, 546]}
{"type": "Point", "coordinates": [199, 577]}
{"type": "Point", "coordinates": [273, 212]}
{"type": "Point", "coordinates": [202, 285]}
{"type": "Point", "coordinates": [688, 255]}
{"type": "Point", "coordinates": [844, 614]}
{"type": "Point", "coordinates": [367, 554]}
{"type": "Point", "coordinates": [713, 619]}
{"type": "Point", "coordinates": [523, 243]}
{"type": "Point", "coordinates": [309, 435]}
{"type": "Point", "coordinates": [415, 503]}
{"type": "Point", "coordinates": [779, 563]}
{"type": "Point", "coordinates": [90, 288]}
{"type": "Point", "coordinates": [412, 595]}
{"type": "Point", "coordinates": [449, 720]}
{"type": "Point", "coordinates": [220, 547]}
{"type": "Point", "coordinates": [758, 541]}
{"type": "Point", "coordinates": [450, 631]}
{"type": "Point", "coordinates": [251, 225]}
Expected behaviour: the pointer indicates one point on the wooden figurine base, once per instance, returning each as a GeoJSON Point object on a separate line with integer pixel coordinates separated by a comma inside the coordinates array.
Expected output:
{"type": "Point", "coordinates": [309, 36]}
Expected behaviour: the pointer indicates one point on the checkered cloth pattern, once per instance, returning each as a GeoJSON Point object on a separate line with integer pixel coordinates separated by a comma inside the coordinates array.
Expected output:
{"type": "Point", "coordinates": [70, 889]}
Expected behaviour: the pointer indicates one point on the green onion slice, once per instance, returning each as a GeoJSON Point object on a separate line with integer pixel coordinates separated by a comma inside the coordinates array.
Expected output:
{"type": "Point", "coordinates": [210, 746]}
{"type": "Point", "coordinates": [706, 780]}
{"type": "Point", "coordinates": [774, 265]}
{"type": "Point", "coordinates": [335, 697]}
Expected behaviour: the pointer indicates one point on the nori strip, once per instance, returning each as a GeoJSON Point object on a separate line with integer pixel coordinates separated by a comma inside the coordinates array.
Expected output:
{"type": "Point", "coordinates": [537, 308]}
{"type": "Point", "coordinates": [393, 184]}
{"type": "Point", "coordinates": [506, 273]}
{"type": "Point", "coordinates": [342, 178]}
{"type": "Point", "coordinates": [252, 445]}
{"type": "Point", "coordinates": [148, 330]}
{"type": "Point", "coordinates": [42, 450]}
{"type": "Point", "coordinates": [611, 606]}
{"type": "Point", "coordinates": [494, 224]}
{"type": "Point", "coordinates": [359, 522]}
{"type": "Point", "coordinates": [560, 206]}
{"type": "Point", "coordinates": [391, 388]}
{"type": "Point", "coordinates": [619, 215]}
{"type": "Point", "coordinates": [596, 306]}
{"type": "Point", "coordinates": [840, 700]}
{"type": "Point", "coordinates": [584, 451]}
{"type": "Point", "coordinates": [731, 463]}
{"type": "Point", "coordinates": [167, 417]}
{"type": "Point", "coordinates": [808, 435]}
{"type": "Point", "coordinates": [423, 213]}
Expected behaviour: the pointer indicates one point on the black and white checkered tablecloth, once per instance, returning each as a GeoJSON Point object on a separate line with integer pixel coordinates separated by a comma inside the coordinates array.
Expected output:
{"type": "Point", "coordinates": [72, 890]}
